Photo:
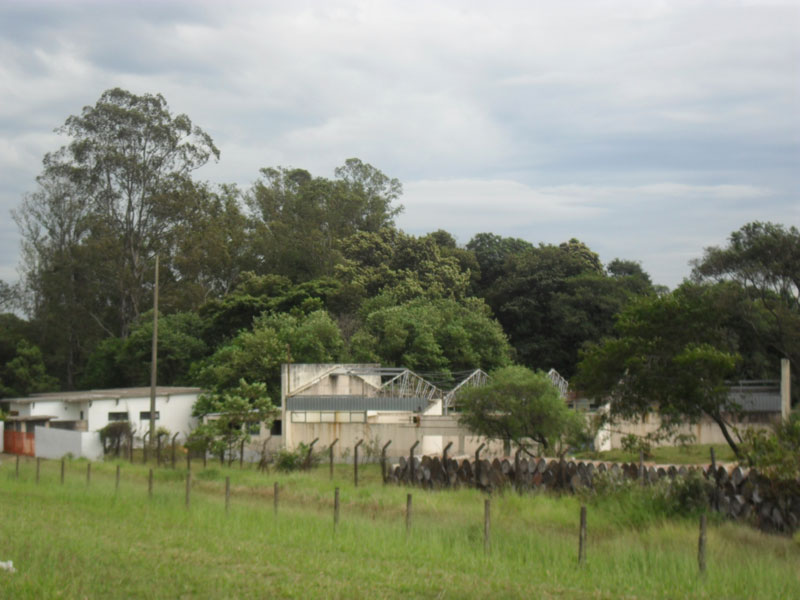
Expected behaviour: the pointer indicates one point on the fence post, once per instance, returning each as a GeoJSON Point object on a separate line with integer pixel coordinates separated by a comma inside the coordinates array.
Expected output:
{"type": "Point", "coordinates": [150, 483]}
{"type": "Point", "coordinates": [16, 472]}
{"type": "Point", "coordinates": [411, 468]}
{"type": "Point", "coordinates": [116, 482]}
{"type": "Point", "coordinates": [517, 478]}
{"type": "Point", "coordinates": [355, 461]}
{"type": "Point", "coordinates": [144, 447]}
{"type": "Point", "coordinates": [275, 490]}
{"type": "Point", "coordinates": [88, 473]}
{"type": "Point", "coordinates": [158, 449]}
{"type": "Point", "coordinates": [38, 463]}
{"type": "Point", "coordinates": [641, 467]}
{"type": "Point", "coordinates": [227, 493]}
{"type": "Point", "coordinates": [487, 525]}
{"type": "Point", "coordinates": [444, 463]}
{"type": "Point", "coordinates": [188, 460]}
{"type": "Point", "coordinates": [241, 455]}
{"type": "Point", "coordinates": [715, 481]}
{"type": "Point", "coordinates": [383, 460]}
{"type": "Point", "coordinates": [130, 447]}
{"type": "Point", "coordinates": [582, 538]}
{"type": "Point", "coordinates": [335, 509]}
{"type": "Point", "coordinates": [62, 471]}
{"type": "Point", "coordinates": [408, 514]}
{"type": "Point", "coordinates": [478, 463]}
{"type": "Point", "coordinates": [330, 451]}
{"type": "Point", "coordinates": [701, 546]}
{"type": "Point", "coordinates": [188, 486]}
{"type": "Point", "coordinates": [173, 448]}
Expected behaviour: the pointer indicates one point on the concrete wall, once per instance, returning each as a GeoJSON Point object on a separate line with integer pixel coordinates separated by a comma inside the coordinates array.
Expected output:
{"type": "Point", "coordinates": [704, 432]}
{"type": "Point", "coordinates": [433, 433]}
{"type": "Point", "coordinates": [56, 443]}
{"type": "Point", "coordinates": [2, 426]}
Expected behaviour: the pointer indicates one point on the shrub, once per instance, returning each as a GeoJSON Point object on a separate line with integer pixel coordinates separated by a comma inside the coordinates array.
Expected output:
{"type": "Point", "coordinates": [294, 460]}
{"type": "Point", "coordinates": [633, 444]}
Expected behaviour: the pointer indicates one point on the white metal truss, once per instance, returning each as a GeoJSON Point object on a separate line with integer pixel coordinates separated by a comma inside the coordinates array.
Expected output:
{"type": "Point", "coordinates": [561, 384]}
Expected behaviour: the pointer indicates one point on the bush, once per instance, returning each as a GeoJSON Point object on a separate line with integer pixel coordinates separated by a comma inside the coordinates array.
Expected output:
{"type": "Point", "coordinates": [113, 434]}
{"type": "Point", "coordinates": [294, 460]}
{"type": "Point", "coordinates": [633, 444]}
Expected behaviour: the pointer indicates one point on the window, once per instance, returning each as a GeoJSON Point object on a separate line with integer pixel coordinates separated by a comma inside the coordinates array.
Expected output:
{"type": "Point", "coordinates": [117, 416]}
{"type": "Point", "coordinates": [145, 415]}
{"type": "Point", "coordinates": [253, 428]}
{"type": "Point", "coordinates": [327, 417]}
{"type": "Point", "coordinates": [276, 427]}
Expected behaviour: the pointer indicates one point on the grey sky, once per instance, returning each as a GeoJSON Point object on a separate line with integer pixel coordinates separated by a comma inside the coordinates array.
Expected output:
{"type": "Point", "coordinates": [646, 129]}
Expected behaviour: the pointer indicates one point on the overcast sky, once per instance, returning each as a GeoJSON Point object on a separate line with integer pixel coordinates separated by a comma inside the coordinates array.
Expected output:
{"type": "Point", "coordinates": [647, 129]}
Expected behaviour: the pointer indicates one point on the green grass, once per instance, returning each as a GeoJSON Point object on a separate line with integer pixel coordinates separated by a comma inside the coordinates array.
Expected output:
{"type": "Point", "coordinates": [699, 454]}
{"type": "Point", "coordinates": [74, 541]}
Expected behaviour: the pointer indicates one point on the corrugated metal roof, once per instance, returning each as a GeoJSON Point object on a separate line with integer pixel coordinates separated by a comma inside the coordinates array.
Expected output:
{"type": "Point", "coordinates": [382, 403]}
{"type": "Point", "coordinates": [111, 394]}
{"type": "Point", "coordinates": [757, 400]}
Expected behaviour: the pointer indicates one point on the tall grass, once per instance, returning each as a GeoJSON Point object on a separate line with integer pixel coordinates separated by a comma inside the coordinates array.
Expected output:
{"type": "Point", "coordinates": [74, 541]}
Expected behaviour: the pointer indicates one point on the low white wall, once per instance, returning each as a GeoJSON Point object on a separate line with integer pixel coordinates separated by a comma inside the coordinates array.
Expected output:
{"type": "Point", "coordinates": [2, 425]}
{"type": "Point", "coordinates": [56, 443]}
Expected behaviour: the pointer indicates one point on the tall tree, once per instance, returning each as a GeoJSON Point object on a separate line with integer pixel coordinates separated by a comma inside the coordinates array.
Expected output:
{"type": "Point", "coordinates": [673, 355]}
{"type": "Point", "coordinates": [764, 259]}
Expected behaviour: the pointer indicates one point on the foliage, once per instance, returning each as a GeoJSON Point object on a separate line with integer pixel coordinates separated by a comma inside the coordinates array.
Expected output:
{"type": "Point", "coordinates": [117, 362]}
{"type": "Point", "coordinates": [294, 460]}
{"type": "Point", "coordinates": [634, 444]}
{"type": "Point", "coordinates": [776, 453]}
{"type": "Point", "coordinates": [432, 335]}
{"type": "Point", "coordinates": [671, 356]}
{"type": "Point", "coordinates": [553, 299]}
{"type": "Point", "coordinates": [234, 411]}
{"type": "Point", "coordinates": [113, 434]}
{"type": "Point", "coordinates": [25, 373]}
{"type": "Point", "coordinates": [764, 259]}
{"type": "Point", "coordinates": [256, 355]}
{"type": "Point", "coordinates": [299, 221]}
{"type": "Point", "coordinates": [521, 406]}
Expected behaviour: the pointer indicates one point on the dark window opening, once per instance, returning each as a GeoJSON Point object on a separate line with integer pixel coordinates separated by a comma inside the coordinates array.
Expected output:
{"type": "Point", "coordinates": [117, 416]}
{"type": "Point", "coordinates": [276, 427]}
{"type": "Point", "coordinates": [145, 415]}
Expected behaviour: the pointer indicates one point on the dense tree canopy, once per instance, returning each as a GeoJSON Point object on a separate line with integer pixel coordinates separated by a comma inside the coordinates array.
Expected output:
{"type": "Point", "coordinates": [523, 407]}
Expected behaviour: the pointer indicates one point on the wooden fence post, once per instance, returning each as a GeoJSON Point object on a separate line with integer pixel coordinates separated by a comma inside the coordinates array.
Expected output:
{"type": "Point", "coordinates": [150, 484]}
{"type": "Point", "coordinates": [383, 460]}
{"type": "Point", "coordinates": [16, 472]}
{"type": "Point", "coordinates": [38, 466]}
{"type": "Point", "coordinates": [227, 493]}
{"type": "Point", "coordinates": [116, 483]}
{"type": "Point", "coordinates": [444, 464]}
{"type": "Point", "coordinates": [130, 447]}
{"type": "Point", "coordinates": [188, 486]}
{"type": "Point", "coordinates": [88, 473]}
{"type": "Point", "coordinates": [330, 451]}
{"type": "Point", "coordinates": [355, 461]}
{"type": "Point", "coordinates": [487, 525]}
{"type": "Point", "coordinates": [641, 467]}
{"type": "Point", "coordinates": [335, 509]}
{"type": "Point", "coordinates": [408, 514]}
{"type": "Point", "coordinates": [715, 481]}
{"type": "Point", "coordinates": [188, 460]}
{"type": "Point", "coordinates": [411, 467]}
{"type": "Point", "coordinates": [582, 538]}
{"type": "Point", "coordinates": [701, 546]}
{"type": "Point", "coordinates": [144, 447]}
{"type": "Point", "coordinates": [62, 471]}
{"type": "Point", "coordinates": [478, 463]}
{"type": "Point", "coordinates": [173, 448]}
{"type": "Point", "coordinates": [275, 497]}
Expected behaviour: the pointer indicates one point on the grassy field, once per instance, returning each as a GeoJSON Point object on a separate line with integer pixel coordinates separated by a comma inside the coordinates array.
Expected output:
{"type": "Point", "coordinates": [93, 541]}
{"type": "Point", "coordinates": [673, 455]}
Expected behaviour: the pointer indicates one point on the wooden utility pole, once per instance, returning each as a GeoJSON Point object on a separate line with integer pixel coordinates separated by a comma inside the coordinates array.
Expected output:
{"type": "Point", "coordinates": [154, 360]}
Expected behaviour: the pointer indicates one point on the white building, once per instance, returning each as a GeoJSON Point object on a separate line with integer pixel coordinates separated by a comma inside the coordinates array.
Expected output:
{"type": "Point", "coordinates": [90, 411]}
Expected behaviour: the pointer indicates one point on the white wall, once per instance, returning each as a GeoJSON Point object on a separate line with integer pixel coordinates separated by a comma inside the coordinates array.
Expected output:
{"type": "Point", "coordinates": [60, 410]}
{"type": "Point", "coordinates": [56, 443]}
{"type": "Point", "coordinates": [175, 413]}
{"type": "Point", "coordinates": [2, 425]}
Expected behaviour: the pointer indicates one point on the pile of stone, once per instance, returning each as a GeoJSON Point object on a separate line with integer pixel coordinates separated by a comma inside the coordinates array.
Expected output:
{"type": "Point", "coordinates": [733, 491]}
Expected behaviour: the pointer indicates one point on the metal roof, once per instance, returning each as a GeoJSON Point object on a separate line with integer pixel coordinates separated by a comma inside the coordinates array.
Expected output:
{"type": "Point", "coordinates": [356, 403]}
{"type": "Point", "coordinates": [110, 394]}
{"type": "Point", "coordinates": [756, 396]}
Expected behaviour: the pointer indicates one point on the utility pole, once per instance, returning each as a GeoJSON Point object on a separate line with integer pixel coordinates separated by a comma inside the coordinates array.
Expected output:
{"type": "Point", "coordinates": [154, 360]}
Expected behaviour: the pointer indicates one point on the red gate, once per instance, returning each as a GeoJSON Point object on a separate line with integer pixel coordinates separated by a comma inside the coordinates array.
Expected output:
{"type": "Point", "coordinates": [19, 442]}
